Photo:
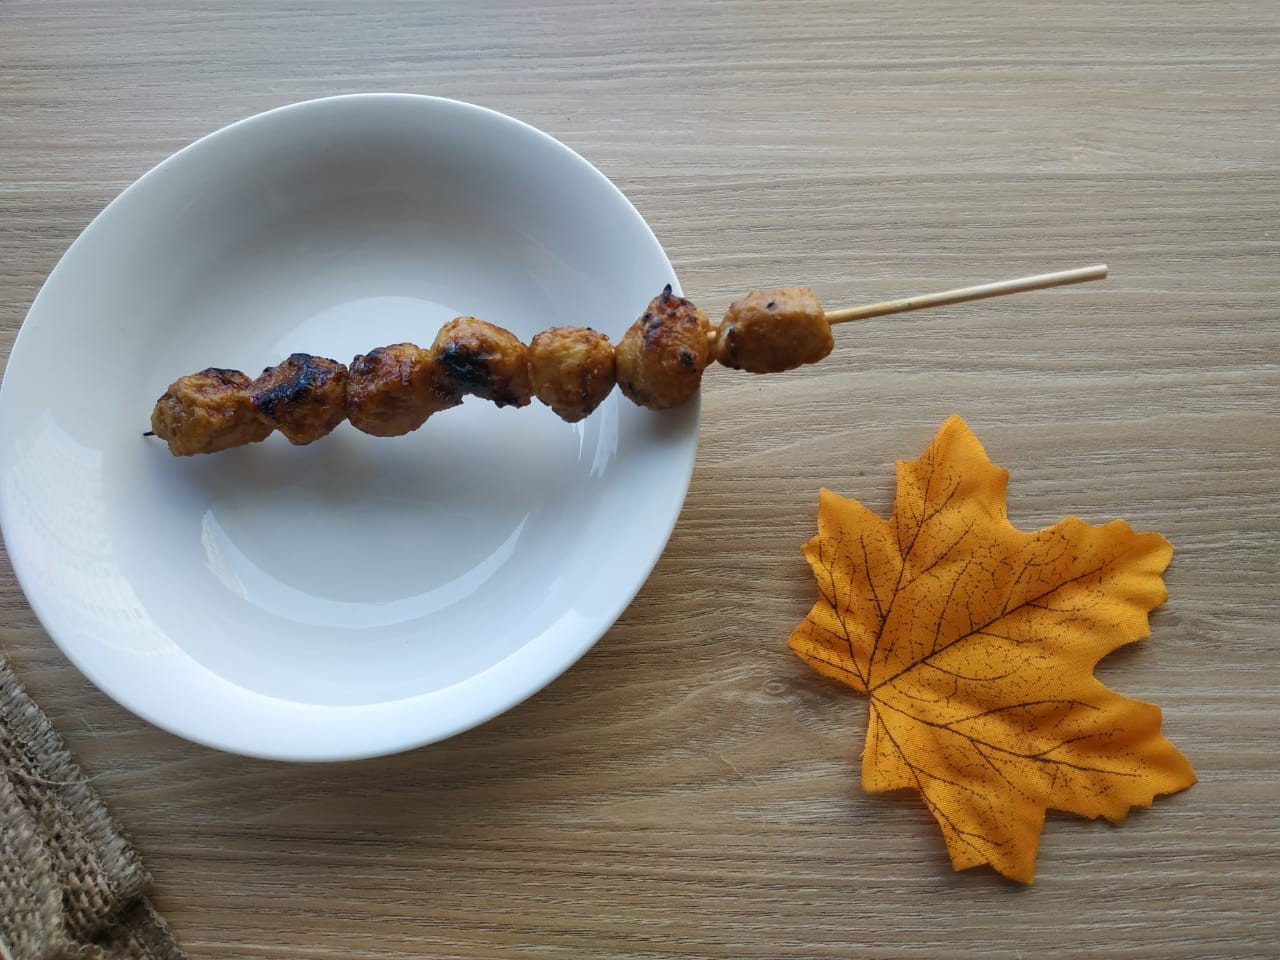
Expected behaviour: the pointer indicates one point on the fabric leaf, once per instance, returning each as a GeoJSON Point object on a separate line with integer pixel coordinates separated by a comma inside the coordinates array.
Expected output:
{"type": "Point", "coordinates": [975, 643]}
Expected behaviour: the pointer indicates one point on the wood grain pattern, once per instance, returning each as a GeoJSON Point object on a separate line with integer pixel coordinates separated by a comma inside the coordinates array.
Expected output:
{"type": "Point", "coordinates": [689, 789]}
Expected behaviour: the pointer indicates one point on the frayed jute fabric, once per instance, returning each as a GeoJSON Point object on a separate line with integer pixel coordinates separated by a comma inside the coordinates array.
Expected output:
{"type": "Point", "coordinates": [71, 886]}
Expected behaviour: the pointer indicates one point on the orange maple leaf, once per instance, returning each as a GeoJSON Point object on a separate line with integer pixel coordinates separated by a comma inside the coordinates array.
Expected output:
{"type": "Point", "coordinates": [976, 643]}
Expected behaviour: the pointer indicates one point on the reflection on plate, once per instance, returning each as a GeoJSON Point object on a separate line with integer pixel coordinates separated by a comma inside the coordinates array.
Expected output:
{"type": "Point", "coordinates": [359, 596]}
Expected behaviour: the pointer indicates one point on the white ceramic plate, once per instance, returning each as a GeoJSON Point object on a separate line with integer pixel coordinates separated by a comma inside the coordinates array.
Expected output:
{"type": "Point", "coordinates": [359, 596]}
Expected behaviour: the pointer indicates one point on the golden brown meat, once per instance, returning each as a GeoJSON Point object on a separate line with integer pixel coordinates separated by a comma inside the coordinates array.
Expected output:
{"type": "Point", "coordinates": [769, 331]}
{"type": "Point", "coordinates": [572, 370]}
{"type": "Point", "coordinates": [393, 390]}
{"type": "Point", "coordinates": [662, 355]}
{"type": "Point", "coordinates": [206, 412]}
{"type": "Point", "coordinates": [305, 396]}
{"type": "Point", "coordinates": [483, 359]}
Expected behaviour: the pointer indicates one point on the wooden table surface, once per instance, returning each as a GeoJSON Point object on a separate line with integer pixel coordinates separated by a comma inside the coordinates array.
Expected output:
{"type": "Point", "coordinates": [690, 788]}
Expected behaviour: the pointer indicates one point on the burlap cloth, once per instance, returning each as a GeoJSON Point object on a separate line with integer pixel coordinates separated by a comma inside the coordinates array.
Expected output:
{"type": "Point", "coordinates": [70, 884]}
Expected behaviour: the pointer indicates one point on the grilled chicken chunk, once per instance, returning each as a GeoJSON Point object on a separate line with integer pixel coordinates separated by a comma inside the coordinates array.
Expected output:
{"type": "Point", "coordinates": [571, 370]}
{"type": "Point", "coordinates": [393, 390]}
{"type": "Point", "coordinates": [304, 397]}
{"type": "Point", "coordinates": [769, 331]}
{"type": "Point", "coordinates": [662, 355]}
{"type": "Point", "coordinates": [208, 411]}
{"type": "Point", "coordinates": [483, 359]}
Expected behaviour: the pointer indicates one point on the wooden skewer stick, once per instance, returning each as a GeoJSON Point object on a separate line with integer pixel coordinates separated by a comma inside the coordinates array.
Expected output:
{"type": "Point", "coordinates": [963, 294]}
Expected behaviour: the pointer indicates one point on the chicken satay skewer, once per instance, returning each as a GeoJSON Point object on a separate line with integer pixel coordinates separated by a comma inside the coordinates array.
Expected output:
{"type": "Point", "coordinates": [657, 364]}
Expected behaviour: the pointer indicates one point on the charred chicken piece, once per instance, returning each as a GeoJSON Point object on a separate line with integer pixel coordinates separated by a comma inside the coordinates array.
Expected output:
{"type": "Point", "coordinates": [392, 390]}
{"type": "Point", "coordinates": [483, 359]}
{"type": "Point", "coordinates": [769, 331]}
{"type": "Point", "coordinates": [304, 397]}
{"type": "Point", "coordinates": [572, 370]}
{"type": "Point", "coordinates": [208, 411]}
{"type": "Point", "coordinates": [662, 355]}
